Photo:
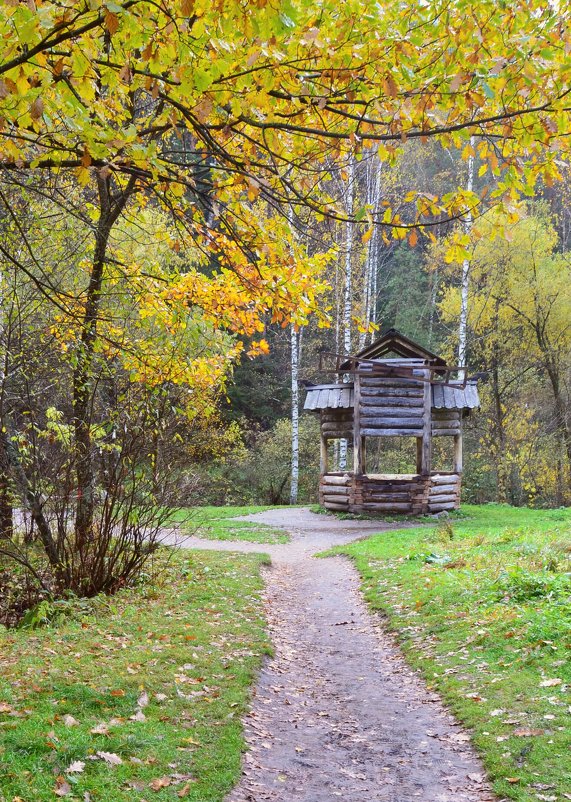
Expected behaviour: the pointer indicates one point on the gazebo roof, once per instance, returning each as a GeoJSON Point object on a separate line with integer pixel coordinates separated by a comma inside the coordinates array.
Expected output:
{"type": "Point", "coordinates": [444, 396]}
{"type": "Point", "coordinates": [392, 341]}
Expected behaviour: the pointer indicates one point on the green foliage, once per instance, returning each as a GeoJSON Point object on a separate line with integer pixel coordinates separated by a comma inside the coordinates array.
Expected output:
{"type": "Point", "coordinates": [260, 474]}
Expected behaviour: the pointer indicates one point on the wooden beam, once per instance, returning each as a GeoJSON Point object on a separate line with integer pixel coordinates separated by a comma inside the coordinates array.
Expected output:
{"type": "Point", "coordinates": [458, 452]}
{"type": "Point", "coordinates": [426, 460]}
{"type": "Point", "coordinates": [323, 455]}
{"type": "Point", "coordinates": [357, 435]}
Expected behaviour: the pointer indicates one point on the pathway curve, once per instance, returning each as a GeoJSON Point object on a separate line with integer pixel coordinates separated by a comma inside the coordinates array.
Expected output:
{"type": "Point", "coordinates": [337, 713]}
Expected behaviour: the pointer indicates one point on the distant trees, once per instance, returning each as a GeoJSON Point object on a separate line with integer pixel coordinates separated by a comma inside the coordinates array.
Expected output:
{"type": "Point", "coordinates": [520, 331]}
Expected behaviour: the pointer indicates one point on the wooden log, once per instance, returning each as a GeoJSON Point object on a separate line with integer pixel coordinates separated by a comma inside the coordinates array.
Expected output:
{"type": "Point", "coordinates": [383, 420]}
{"type": "Point", "coordinates": [394, 383]}
{"type": "Point", "coordinates": [438, 507]}
{"type": "Point", "coordinates": [445, 414]}
{"type": "Point", "coordinates": [391, 401]}
{"type": "Point", "coordinates": [336, 431]}
{"type": "Point", "coordinates": [382, 507]}
{"type": "Point", "coordinates": [392, 392]}
{"type": "Point", "coordinates": [381, 497]}
{"type": "Point", "coordinates": [443, 478]}
{"type": "Point", "coordinates": [433, 498]}
{"type": "Point", "coordinates": [437, 490]}
{"type": "Point", "coordinates": [329, 505]}
{"type": "Point", "coordinates": [381, 411]}
{"type": "Point", "coordinates": [333, 490]}
{"type": "Point", "coordinates": [330, 479]}
{"type": "Point", "coordinates": [444, 432]}
{"type": "Point", "coordinates": [368, 432]}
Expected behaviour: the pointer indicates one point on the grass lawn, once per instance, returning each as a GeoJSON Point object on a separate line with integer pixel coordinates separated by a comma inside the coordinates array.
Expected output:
{"type": "Point", "coordinates": [483, 608]}
{"type": "Point", "coordinates": [214, 523]}
{"type": "Point", "coordinates": [139, 699]}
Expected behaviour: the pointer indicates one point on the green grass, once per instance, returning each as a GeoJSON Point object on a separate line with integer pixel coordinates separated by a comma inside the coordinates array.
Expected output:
{"type": "Point", "coordinates": [482, 607]}
{"type": "Point", "coordinates": [215, 523]}
{"type": "Point", "coordinates": [182, 650]}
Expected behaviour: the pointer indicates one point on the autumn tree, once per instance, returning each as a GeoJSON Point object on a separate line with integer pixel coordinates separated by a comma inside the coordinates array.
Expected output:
{"type": "Point", "coordinates": [520, 332]}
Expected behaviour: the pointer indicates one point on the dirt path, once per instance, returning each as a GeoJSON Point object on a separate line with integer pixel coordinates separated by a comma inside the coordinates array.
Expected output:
{"type": "Point", "coordinates": [337, 714]}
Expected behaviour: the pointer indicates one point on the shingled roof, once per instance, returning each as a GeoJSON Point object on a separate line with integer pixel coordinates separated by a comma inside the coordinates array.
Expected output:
{"type": "Point", "coordinates": [392, 341]}
{"type": "Point", "coordinates": [340, 396]}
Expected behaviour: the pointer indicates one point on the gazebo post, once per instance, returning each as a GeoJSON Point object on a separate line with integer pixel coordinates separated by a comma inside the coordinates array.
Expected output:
{"type": "Point", "coordinates": [426, 439]}
{"type": "Point", "coordinates": [323, 455]}
{"type": "Point", "coordinates": [458, 453]}
{"type": "Point", "coordinates": [358, 453]}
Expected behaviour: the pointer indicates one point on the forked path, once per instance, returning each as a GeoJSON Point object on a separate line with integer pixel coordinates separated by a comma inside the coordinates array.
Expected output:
{"type": "Point", "coordinates": [337, 714]}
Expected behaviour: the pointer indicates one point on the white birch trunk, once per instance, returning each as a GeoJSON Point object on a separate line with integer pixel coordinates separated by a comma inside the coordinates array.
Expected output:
{"type": "Point", "coordinates": [294, 483]}
{"type": "Point", "coordinates": [371, 267]}
{"type": "Point", "coordinates": [463, 323]}
{"type": "Point", "coordinates": [348, 288]}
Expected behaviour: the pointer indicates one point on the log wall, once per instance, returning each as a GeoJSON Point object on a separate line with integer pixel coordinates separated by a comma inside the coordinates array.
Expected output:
{"type": "Point", "coordinates": [337, 423]}
{"type": "Point", "coordinates": [446, 422]}
{"type": "Point", "coordinates": [404, 495]}
{"type": "Point", "coordinates": [390, 407]}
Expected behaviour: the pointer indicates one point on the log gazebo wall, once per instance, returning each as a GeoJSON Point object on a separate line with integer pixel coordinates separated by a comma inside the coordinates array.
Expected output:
{"type": "Point", "coordinates": [402, 494]}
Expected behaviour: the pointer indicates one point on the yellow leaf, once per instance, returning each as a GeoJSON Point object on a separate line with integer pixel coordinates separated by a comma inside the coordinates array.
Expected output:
{"type": "Point", "coordinates": [367, 235]}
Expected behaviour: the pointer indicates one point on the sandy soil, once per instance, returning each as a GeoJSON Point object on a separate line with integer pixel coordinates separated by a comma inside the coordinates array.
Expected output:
{"type": "Point", "coordinates": [337, 714]}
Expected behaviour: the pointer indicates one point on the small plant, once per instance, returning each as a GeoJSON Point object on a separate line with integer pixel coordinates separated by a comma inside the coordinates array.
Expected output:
{"type": "Point", "coordinates": [519, 585]}
{"type": "Point", "coordinates": [445, 531]}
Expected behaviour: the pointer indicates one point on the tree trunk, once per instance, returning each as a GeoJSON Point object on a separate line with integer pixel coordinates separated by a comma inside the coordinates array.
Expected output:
{"type": "Point", "coordinates": [463, 323]}
{"type": "Point", "coordinates": [294, 416]}
{"type": "Point", "coordinates": [348, 286]}
{"type": "Point", "coordinates": [501, 472]}
{"type": "Point", "coordinates": [110, 208]}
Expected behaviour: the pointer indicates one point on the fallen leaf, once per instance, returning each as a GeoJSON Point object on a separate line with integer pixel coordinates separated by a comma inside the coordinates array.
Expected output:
{"type": "Point", "coordinates": [138, 716]}
{"type": "Point", "coordinates": [100, 729]}
{"type": "Point", "coordinates": [143, 699]}
{"type": "Point", "coordinates": [119, 692]}
{"type": "Point", "coordinates": [513, 780]}
{"type": "Point", "coordinates": [524, 733]}
{"type": "Point", "coordinates": [184, 791]}
{"type": "Point", "coordinates": [110, 757]}
{"type": "Point", "coordinates": [550, 683]}
{"type": "Point", "coordinates": [76, 767]}
{"type": "Point", "coordinates": [160, 782]}
{"type": "Point", "coordinates": [70, 721]}
{"type": "Point", "coordinates": [63, 788]}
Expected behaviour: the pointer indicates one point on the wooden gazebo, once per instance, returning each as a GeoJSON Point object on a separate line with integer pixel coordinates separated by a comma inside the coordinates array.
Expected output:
{"type": "Point", "coordinates": [400, 389]}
